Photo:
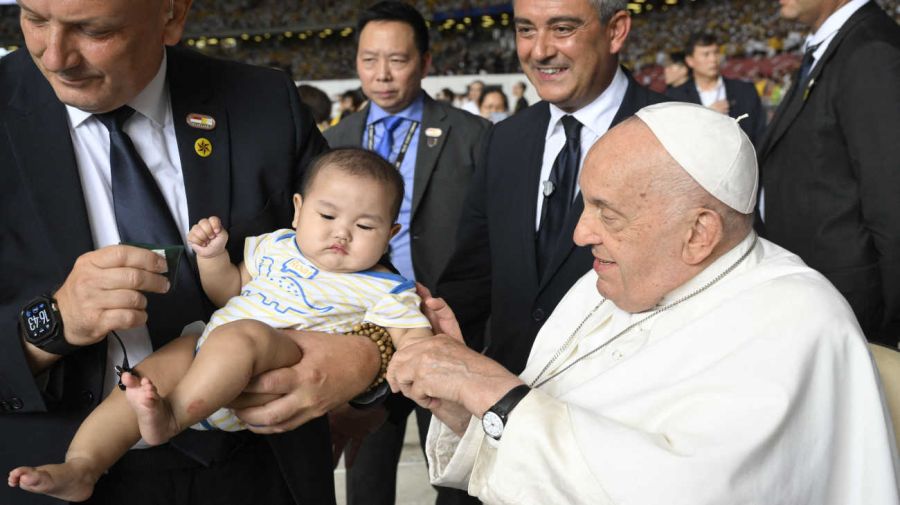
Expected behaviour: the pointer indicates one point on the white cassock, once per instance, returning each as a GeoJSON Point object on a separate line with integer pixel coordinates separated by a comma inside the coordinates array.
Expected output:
{"type": "Point", "coordinates": [759, 390]}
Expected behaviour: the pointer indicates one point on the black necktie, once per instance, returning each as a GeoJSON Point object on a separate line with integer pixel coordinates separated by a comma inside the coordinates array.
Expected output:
{"type": "Point", "coordinates": [141, 211]}
{"type": "Point", "coordinates": [142, 216]}
{"type": "Point", "coordinates": [559, 194]}
{"type": "Point", "coordinates": [806, 63]}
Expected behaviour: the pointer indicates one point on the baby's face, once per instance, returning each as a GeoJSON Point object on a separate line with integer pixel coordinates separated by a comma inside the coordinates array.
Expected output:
{"type": "Point", "coordinates": [344, 223]}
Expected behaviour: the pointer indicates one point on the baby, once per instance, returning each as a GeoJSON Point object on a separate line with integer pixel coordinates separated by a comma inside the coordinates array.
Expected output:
{"type": "Point", "coordinates": [324, 276]}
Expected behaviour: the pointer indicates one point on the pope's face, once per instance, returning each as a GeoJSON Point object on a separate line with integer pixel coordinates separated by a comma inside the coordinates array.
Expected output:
{"type": "Point", "coordinates": [389, 65]}
{"type": "Point", "coordinates": [627, 222]}
{"type": "Point", "coordinates": [98, 54]}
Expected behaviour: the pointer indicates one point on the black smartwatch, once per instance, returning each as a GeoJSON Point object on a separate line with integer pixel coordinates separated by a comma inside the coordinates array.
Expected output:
{"type": "Point", "coordinates": [494, 420]}
{"type": "Point", "coordinates": [40, 324]}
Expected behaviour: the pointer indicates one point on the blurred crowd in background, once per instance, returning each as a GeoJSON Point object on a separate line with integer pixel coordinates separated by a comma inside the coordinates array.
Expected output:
{"type": "Point", "coordinates": [314, 40]}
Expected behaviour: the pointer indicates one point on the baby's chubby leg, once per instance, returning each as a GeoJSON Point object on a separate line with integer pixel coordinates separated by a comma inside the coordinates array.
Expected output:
{"type": "Point", "coordinates": [107, 433]}
{"type": "Point", "coordinates": [232, 354]}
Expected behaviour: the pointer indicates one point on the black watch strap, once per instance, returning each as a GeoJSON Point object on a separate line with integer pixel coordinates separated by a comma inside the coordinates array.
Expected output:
{"type": "Point", "coordinates": [509, 401]}
{"type": "Point", "coordinates": [59, 345]}
{"type": "Point", "coordinates": [371, 398]}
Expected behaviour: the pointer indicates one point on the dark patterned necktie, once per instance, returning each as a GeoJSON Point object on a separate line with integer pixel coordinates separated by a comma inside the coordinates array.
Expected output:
{"type": "Point", "coordinates": [558, 202]}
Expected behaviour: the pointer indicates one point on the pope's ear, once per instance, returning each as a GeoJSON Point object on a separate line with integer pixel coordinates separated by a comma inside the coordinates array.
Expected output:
{"type": "Point", "coordinates": [705, 233]}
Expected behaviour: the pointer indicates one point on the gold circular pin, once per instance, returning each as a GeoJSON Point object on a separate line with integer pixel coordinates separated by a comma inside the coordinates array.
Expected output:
{"type": "Point", "coordinates": [203, 147]}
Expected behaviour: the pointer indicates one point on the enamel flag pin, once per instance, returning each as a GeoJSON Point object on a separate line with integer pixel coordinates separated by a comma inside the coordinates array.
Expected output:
{"type": "Point", "coordinates": [203, 147]}
{"type": "Point", "coordinates": [433, 135]}
{"type": "Point", "coordinates": [201, 121]}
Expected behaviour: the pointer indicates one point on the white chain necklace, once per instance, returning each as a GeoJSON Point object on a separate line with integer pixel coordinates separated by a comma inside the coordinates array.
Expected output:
{"type": "Point", "coordinates": [537, 382]}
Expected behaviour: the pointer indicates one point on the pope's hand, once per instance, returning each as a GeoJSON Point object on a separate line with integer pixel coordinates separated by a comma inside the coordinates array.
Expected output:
{"type": "Point", "coordinates": [442, 369]}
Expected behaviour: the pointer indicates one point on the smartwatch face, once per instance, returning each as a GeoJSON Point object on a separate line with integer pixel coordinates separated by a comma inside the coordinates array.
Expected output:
{"type": "Point", "coordinates": [492, 424]}
{"type": "Point", "coordinates": [38, 320]}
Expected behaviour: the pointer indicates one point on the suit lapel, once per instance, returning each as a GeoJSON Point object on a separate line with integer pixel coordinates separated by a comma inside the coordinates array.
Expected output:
{"type": "Point", "coordinates": [527, 158]}
{"type": "Point", "coordinates": [792, 106]}
{"type": "Point", "coordinates": [354, 133]}
{"type": "Point", "coordinates": [207, 180]}
{"type": "Point", "coordinates": [434, 120]}
{"type": "Point", "coordinates": [42, 145]}
{"type": "Point", "coordinates": [693, 95]}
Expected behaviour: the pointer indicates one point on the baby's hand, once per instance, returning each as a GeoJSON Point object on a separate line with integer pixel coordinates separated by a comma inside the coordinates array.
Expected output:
{"type": "Point", "coordinates": [208, 238]}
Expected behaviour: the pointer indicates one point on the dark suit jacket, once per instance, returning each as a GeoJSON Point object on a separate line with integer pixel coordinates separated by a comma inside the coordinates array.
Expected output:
{"type": "Point", "coordinates": [262, 141]}
{"type": "Point", "coordinates": [493, 272]}
{"type": "Point", "coordinates": [442, 176]}
{"type": "Point", "coordinates": [830, 169]}
{"type": "Point", "coordinates": [742, 99]}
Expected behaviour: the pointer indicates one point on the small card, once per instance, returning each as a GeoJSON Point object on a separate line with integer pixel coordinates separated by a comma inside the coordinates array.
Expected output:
{"type": "Point", "coordinates": [172, 254]}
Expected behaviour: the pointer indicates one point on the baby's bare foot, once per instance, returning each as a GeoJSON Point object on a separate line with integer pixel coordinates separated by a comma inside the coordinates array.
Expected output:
{"type": "Point", "coordinates": [154, 414]}
{"type": "Point", "coordinates": [73, 480]}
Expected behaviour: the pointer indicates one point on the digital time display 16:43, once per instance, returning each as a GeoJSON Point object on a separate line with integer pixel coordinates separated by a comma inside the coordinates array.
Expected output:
{"type": "Point", "coordinates": [37, 317]}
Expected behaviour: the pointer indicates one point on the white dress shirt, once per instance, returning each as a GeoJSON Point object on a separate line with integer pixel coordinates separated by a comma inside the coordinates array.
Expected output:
{"type": "Point", "coordinates": [713, 95]}
{"type": "Point", "coordinates": [152, 131]}
{"type": "Point", "coordinates": [596, 117]}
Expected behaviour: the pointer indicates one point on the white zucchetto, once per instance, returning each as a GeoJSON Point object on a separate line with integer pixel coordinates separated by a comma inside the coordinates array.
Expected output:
{"type": "Point", "coordinates": [711, 147]}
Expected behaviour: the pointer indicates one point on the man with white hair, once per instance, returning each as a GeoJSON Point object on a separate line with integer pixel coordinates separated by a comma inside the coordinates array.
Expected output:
{"type": "Point", "coordinates": [696, 364]}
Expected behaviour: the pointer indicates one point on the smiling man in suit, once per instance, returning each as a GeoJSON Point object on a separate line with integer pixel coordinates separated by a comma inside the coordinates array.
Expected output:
{"type": "Point", "coordinates": [515, 257]}
{"type": "Point", "coordinates": [108, 136]}
{"type": "Point", "coordinates": [434, 146]}
{"type": "Point", "coordinates": [830, 161]}
{"type": "Point", "coordinates": [707, 87]}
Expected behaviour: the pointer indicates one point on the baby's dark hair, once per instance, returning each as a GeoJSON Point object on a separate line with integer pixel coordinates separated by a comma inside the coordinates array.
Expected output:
{"type": "Point", "coordinates": [361, 163]}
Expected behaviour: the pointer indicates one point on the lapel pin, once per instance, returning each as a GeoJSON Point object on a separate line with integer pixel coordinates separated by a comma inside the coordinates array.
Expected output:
{"type": "Point", "coordinates": [432, 136]}
{"type": "Point", "coordinates": [201, 121]}
{"type": "Point", "coordinates": [203, 147]}
{"type": "Point", "coordinates": [808, 87]}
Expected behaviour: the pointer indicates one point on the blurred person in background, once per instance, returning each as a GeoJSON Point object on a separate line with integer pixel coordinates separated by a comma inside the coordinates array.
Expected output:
{"type": "Point", "coordinates": [473, 92]}
{"type": "Point", "coordinates": [675, 71]}
{"type": "Point", "coordinates": [707, 87]}
{"type": "Point", "coordinates": [319, 104]}
{"type": "Point", "coordinates": [350, 102]}
{"type": "Point", "coordinates": [518, 92]}
{"type": "Point", "coordinates": [493, 105]}
{"type": "Point", "coordinates": [446, 96]}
